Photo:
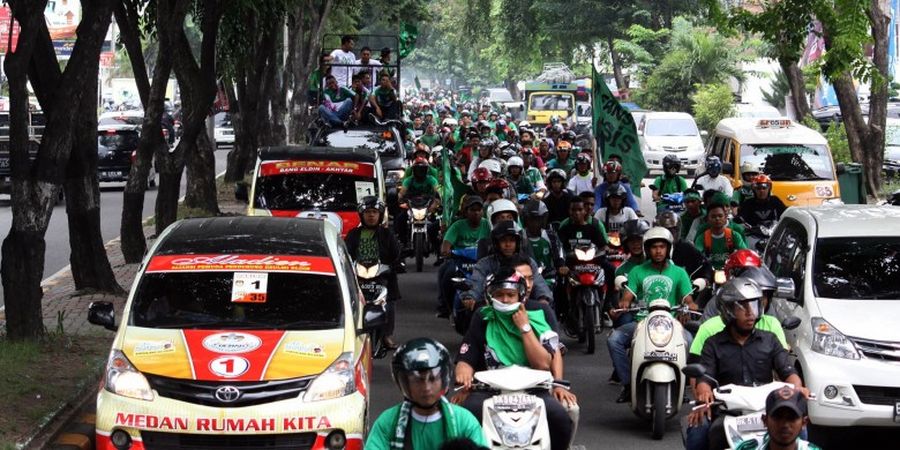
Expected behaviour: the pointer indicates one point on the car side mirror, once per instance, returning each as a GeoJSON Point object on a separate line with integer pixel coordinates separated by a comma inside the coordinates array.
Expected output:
{"type": "Point", "coordinates": [103, 314]}
{"type": "Point", "coordinates": [840, 168]}
{"type": "Point", "coordinates": [374, 317]}
{"type": "Point", "coordinates": [704, 133]}
{"type": "Point", "coordinates": [240, 192]}
{"type": "Point", "coordinates": [785, 288]}
{"type": "Point", "coordinates": [728, 168]}
{"type": "Point", "coordinates": [791, 323]}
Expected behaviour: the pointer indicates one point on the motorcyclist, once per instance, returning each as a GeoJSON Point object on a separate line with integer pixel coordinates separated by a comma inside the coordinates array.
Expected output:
{"type": "Point", "coordinates": [669, 182]}
{"type": "Point", "coordinates": [785, 418]}
{"type": "Point", "coordinates": [724, 354]}
{"type": "Point", "coordinates": [632, 237]}
{"type": "Point", "coordinates": [532, 172]}
{"type": "Point", "coordinates": [763, 206]}
{"type": "Point", "coordinates": [545, 246]}
{"type": "Point", "coordinates": [562, 159]}
{"type": "Point", "coordinates": [656, 278]}
{"type": "Point", "coordinates": [748, 173]}
{"type": "Point", "coordinates": [693, 209]}
{"type": "Point", "coordinates": [612, 173]}
{"type": "Point", "coordinates": [713, 180]}
{"type": "Point", "coordinates": [430, 137]}
{"type": "Point", "coordinates": [425, 419]}
{"type": "Point", "coordinates": [615, 213]}
{"type": "Point", "coordinates": [515, 174]}
{"type": "Point", "coordinates": [684, 254]}
{"type": "Point", "coordinates": [506, 242]}
{"type": "Point", "coordinates": [485, 153]}
{"type": "Point", "coordinates": [507, 332]}
{"type": "Point", "coordinates": [420, 184]}
{"type": "Point", "coordinates": [558, 197]}
{"type": "Point", "coordinates": [466, 147]}
{"type": "Point", "coordinates": [701, 224]}
{"type": "Point", "coordinates": [583, 179]}
{"type": "Point", "coordinates": [718, 241]}
{"type": "Point", "coordinates": [464, 233]}
{"type": "Point", "coordinates": [501, 210]}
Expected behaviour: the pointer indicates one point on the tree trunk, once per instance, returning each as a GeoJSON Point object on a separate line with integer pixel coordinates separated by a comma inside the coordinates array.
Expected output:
{"type": "Point", "coordinates": [90, 264]}
{"type": "Point", "coordinates": [617, 69]}
{"type": "Point", "coordinates": [798, 90]}
{"type": "Point", "coordinates": [127, 17]}
{"type": "Point", "coordinates": [201, 177]}
{"type": "Point", "coordinates": [513, 89]}
{"type": "Point", "coordinates": [236, 165]}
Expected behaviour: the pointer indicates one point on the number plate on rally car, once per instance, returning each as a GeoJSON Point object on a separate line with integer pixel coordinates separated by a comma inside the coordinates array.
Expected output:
{"type": "Point", "coordinates": [897, 411]}
{"type": "Point", "coordinates": [514, 402]}
{"type": "Point", "coordinates": [750, 423]}
{"type": "Point", "coordinates": [660, 356]}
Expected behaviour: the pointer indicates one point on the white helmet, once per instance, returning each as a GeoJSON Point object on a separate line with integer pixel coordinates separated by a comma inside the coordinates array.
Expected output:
{"type": "Point", "coordinates": [502, 205]}
{"type": "Point", "coordinates": [515, 161]}
{"type": "Point", "coordinates": [655, 234]}
{"type": "Point", "coordinates": [493, 165]}
{"type": "Point", "coordinates": [449, 122]}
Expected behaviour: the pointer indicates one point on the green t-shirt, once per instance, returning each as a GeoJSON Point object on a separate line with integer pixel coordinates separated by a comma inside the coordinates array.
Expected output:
{"type": "Point", "coordinates": [742, 193]}
{"type": "Point", "coordinates": [534, 176]}
{"type": "Point", "coordinates": [430, 139]}
{"type": "Point", "coordinates": [686, 220]}
{"type": "Point", "coordinates": [590, 221]}
{"type": "Point", "coordinates": [670, 185]}
{"type": "Point", "coordinates": [719, 250]}
{"type": "Point", "coordinates": [416, 188]}
{"type": "Point", "coordinates": [432, 172]}
{"type": "Point", "coordinates": [336, 96]}
{"type": "Point", "coordinates": [648, 284]}
{"type": "Point", "coordinates": [541, 249]}
{"type": "Point", "coordinates": [762, 443]}
{"type": "Point", "coordinates": [565, 166]}
{"type": "Point", "coordinates": [736, 227]}
{"type": "Point", "coordinates": [424, 435]}
{"type": "Point", "coordinates": [625, 267]}
{"type": "Point", "coordinates": [368, 247]}
{"type": "Point", "coordinates": [714, 325]}
{"type": "Point", "coordinates": [384, 96]}
{"type": "Point", "coordinates": [523, 185]}
{"type": "Point", "coordinates": [460, 235]}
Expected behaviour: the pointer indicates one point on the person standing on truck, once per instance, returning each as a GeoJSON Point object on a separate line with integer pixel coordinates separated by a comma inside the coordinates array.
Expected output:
{"type": "Point", "coordinates": [343, 55]}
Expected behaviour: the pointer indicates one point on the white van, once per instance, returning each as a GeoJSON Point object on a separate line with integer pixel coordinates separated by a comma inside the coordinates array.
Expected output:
{"type": "Point", "coordinates": [663, 133]}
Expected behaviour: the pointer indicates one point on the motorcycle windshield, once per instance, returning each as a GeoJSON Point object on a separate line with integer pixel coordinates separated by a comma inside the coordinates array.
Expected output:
{"type": "Point", "coordinates": [470, 253]}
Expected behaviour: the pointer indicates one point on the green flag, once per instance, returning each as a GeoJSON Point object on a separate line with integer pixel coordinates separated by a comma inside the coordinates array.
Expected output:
{"type": "Point", "coordinates": [448, 197]}
{"type": "Point", "coordinates": [616, 132]}
{"type": "Point", "coordinates": [418, 83]}
{"type": "Point", "coordinates": [408, 35]}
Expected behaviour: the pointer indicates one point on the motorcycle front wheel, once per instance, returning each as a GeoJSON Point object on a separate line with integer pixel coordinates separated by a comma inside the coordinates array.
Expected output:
{"type": "Point", "coordinates": [658, 418]}
{"type": "Point", "coordinates": [419, 246]}
{"type": "Point", "coordinates": [587, 316]}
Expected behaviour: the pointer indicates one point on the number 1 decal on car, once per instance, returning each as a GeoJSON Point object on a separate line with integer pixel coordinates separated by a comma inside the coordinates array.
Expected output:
{"type": "Point", "coordinates": [249, 287]}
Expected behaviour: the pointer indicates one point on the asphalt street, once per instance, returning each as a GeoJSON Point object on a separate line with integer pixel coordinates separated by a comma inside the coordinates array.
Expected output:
{"type": "Point", "coordinates": [111, 197]}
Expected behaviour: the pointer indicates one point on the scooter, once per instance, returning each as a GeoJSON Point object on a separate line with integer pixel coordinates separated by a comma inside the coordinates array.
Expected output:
{"type": "Point", "coordinates": [514, 417]}
{"type": "Point", "coordinates": [465, 259]}
{"type": "Point", "coordinates": [671, 202]}
{"type": "Point", "coordinates": [418, 226]}
{"type": "Point", "coordinates": [373, 284]}
{"type": "Point", "coordinates": [588, 288]}
{"type": "Point", "coordinates": [742, 406]}
{"type": "Point", "coordinates": [658, 353]}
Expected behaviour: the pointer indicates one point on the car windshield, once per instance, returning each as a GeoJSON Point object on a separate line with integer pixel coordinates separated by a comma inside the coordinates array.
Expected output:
{"type": "Point", "coordinates": [857, 268]}
{"type": "Point", "coordinates": [374, 140]}
{"type": "Point", "coordinates": [127, 140]}
{"type": "Point", "coordinates": [222, 120]}
{"type": "Point", "coordinates": [790, 162]}
{"type": "Point", "coordinates": [671, 127]}
{"type": "Point", "coordinates": [583, 109]}
{"type": "Point", "coordinates": [322, 191]}
{"type": "Point", "coordinates": [203, 300]}
{"type": "Point", "coordinates": [551, 102]}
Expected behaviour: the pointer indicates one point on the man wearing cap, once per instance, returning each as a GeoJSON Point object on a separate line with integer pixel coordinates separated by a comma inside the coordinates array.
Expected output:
{"type": "Point", "coordinates": [785, 418]}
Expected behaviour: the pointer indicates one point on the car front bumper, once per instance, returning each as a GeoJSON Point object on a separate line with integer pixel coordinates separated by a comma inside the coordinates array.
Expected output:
{"type": "Point", "coordinates": [690, 161]}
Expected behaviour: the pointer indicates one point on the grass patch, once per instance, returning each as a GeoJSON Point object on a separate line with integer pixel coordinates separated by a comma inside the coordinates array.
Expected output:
{"type": "Point", "coordinates": [37, 378]}
{"type": "Point", "coordinates": [889, 187]}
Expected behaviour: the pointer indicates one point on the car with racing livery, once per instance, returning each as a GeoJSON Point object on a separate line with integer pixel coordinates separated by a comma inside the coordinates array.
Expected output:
{"type": "Point", "coordinates": [239, 332]}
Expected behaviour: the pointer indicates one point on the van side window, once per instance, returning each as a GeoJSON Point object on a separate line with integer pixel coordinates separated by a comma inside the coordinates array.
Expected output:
{"type": "Point", "coordinates": [721, 147]}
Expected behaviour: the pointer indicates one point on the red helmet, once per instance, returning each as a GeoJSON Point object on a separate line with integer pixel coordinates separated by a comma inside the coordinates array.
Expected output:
{"type": "Point", "coordinates": [762, 180]}
{"type": "Point", "coordinates": [612, 167]}
{"type": "Point", "coordinates": [741, 259]}
{"type": "Point", "coordinates": [420, 161]}
{"type": "Point", "coordinates": [498, 184]}
{"type": "Point", "coordinates": [482, 174]}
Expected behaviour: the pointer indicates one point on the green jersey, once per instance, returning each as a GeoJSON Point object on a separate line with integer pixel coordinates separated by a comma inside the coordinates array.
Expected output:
{"type": "Point", "coordinates": [566, 166]}
{"type": "Point", "coordinates": [625, 267]}
{"type": "Point", "coordinates": [541, 249]}
{"type": "Point", "coordinates": [368, 247]}
{"type": "Point", "coordinates": [430, 139]}
{"type": "Point", "coordinates": [432, 172]}
{"type": "Point", "coordinates": [736, 227]}
{"type": "Point", "coordinates": [686, 220]}
{"type": "Point", "coordinates": [425, 433]}
{"type": "Point", "coordinates": [590, 221]}
{"type": "Point", "coordinates": [338, 95]}
{"type": "Point", "coordinates": [534, 176]}
{"type": "Point", "coordinates": [416, 188]}
{"type": "Point", "coordinates": [384, 96]}
{"type": "Point", "coordinates": [762, 443]}
{"type": "Point", "coordinates": [647, 283]}
{"type": "Point", "coordinates": [742, 193]}
{"type": "Point", "coordinates": [714, 325]}
{"type": "Point", "coordinates": [672, 185]}
{"type": "Point", "coordinates": [460, 235]}
{"type": "Point", "coordinates": [719, 251]}
{"type": "Point", "coordinates": [522, 185]}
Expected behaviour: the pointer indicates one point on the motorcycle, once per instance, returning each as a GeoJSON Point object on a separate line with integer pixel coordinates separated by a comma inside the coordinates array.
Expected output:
{"type": "Point", "coordinates": [419, 223]}
{"type": "Point", "coordinates": [588, 287]}
{"type": "Point", "coordinates": [514, 417]}
{"type": "Point", "coordinates": [671, 202]}
{"type": "Point", "coordinates": [658, 353]}
{"type": "Point", "coordinates": [615, 251]}
{"type": "Point", "coordinates": [465, 260]}
{"type": "Point", "coordinates": [742, 406]}
{"type": "Point", "coordinates": [373, 284]}
{"type": "Point", "coordinates": [758, 236]}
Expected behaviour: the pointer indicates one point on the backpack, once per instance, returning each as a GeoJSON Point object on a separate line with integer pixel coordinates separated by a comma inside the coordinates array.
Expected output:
{"type": "Point", "coordinates": [707, 240]}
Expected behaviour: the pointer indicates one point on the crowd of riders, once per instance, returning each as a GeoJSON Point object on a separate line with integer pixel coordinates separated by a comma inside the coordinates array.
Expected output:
{"type": "Point", "coordinates": [525, 199]}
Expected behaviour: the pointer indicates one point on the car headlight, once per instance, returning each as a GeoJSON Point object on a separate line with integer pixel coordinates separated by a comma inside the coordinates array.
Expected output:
{"type": "Point", "coordinates": [419, 214]}
{"type": "Point", "coordinates": [518, 434]}
{"type": "Point", "coordinates": [827, 340]}
{"type": "Point", "coordinates": [122, 378]}
{"type": "Point", "coordinates": [587, 254]}
{"type": "Point", "coordinates": [336, 381]}
{"type": "Point", "coordinates": [660, 329]}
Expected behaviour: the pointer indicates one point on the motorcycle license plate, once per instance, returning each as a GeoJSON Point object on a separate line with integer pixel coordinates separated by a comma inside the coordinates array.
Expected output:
{"type": "Point", "coordinates": [897, 412]}
{"type": "Point", "coordinates": [369, 288]}
{"type": "Point", "coordinates": [514, 402]}
{"type": "Point", "coordinates": [746, 424]}
{"type": "Point", "coordinates": [660, 356]}
{"type": "Point", "coordinates": [587, 268]}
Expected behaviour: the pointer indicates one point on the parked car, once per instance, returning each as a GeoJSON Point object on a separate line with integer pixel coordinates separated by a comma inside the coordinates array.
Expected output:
{"type": "Point", "coordinates": [844, 262]}
{"type": "Point", "coordinates": [663, 133]}
{"type": "Point", "coordinates": [224, 130]}
{"type": "Point", "coordinates": [116, 149]}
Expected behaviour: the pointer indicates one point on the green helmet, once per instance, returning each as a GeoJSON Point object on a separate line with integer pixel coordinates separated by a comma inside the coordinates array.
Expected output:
{"type": "Point", "coordinates": [421, 354]}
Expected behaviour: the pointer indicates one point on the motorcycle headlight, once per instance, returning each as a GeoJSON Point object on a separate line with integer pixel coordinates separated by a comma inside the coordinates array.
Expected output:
{"type": "Point", "coordinates": [720, 277]}
{"type": "Point", "coordinates": [336, 381]}
{"type": "Point", "coordinates": [615, 240]}
{"type": "Point", "coordinates": [366, 273]}
{"type": "Point", "coordinates": [586, 254]}
{"type": "Point", "coordinates": [419, 214]}
{"type": "Point", "coordinates": [827, 340]}
{"type": "Point", "coordinates": [122, 378]}
{"type": "Point", "coordinates": [516, 434]}
{"type": "Point", "coordinates": [660, 329]}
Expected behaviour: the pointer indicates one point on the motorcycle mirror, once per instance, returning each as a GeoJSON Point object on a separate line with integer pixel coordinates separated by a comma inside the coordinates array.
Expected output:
{"type": "Point", "coordinates": [785, 288]}
{"type": "Point", "coordinates": [620, 281]}
{"type": "Point", "coordinates": [700, 284]}
{"type": "Point", "coordinates": [694, 370]}
{"type": "Point", "coordinates": [791, 323]}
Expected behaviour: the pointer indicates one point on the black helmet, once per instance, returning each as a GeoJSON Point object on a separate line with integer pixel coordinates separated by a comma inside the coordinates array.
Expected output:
{"type": "Point", "coordinates": [735, 290]}
{"type": "Point", "coordinates": [370, 202]}
{"type": "Point", "coordinates": [535, 208]}
{"type": "Point", "coordinates": [557, 173]}
{"type": "Point", "coordinates": [634, 228]}
{"type": "Point", "coordinates": [503, 229]}
{"type": "Point", "coordinates": [668, 219]}
{"type": "Point", "coordinates": [671, 162]}
{"type": "Point", "coordinates": [417, 355]}
{"type": "Point", "coordinates": [616, 190]}
{"type": "Point", "coordinates": [569, 136]}
{"type": "Point", "coordinates": [505, 278]}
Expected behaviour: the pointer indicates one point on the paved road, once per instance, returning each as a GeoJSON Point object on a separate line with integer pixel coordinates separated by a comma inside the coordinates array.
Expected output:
{"type": "Point", "coordinates": [57, 237]}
